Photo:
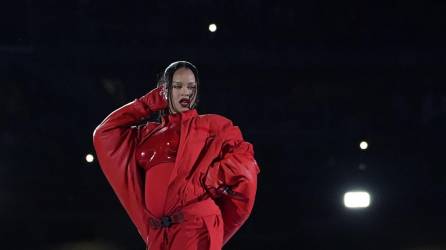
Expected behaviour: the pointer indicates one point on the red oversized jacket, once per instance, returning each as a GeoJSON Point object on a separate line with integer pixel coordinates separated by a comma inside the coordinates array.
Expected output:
{"type": "Point", "coordinates": [212, 155]}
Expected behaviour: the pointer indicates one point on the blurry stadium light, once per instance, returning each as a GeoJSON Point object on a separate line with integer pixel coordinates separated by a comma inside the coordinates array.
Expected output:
{"type": "Point", "coordinates": [363, 145]}
{"type": "Point", "coordinates": [357, 199]}
{"type": "Point", "coordinates": [212, 27]}
{"type": "Point", "coordinates": [89, 158]}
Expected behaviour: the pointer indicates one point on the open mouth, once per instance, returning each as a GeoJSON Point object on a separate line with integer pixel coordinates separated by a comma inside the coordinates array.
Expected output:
{"type": "Point", "coordinates": [184, 102]}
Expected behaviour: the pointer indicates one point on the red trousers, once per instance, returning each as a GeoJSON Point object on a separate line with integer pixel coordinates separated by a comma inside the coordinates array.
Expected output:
{"type": "Point", "coordinates": [201, 228]}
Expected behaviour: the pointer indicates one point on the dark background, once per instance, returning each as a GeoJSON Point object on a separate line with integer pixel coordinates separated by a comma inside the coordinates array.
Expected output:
{"type": "Point", "coordinates": [306, 81]}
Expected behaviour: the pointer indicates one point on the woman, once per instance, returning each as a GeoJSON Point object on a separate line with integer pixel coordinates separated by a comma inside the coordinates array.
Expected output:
{"type": "Point", "coordinates": [188, 181]}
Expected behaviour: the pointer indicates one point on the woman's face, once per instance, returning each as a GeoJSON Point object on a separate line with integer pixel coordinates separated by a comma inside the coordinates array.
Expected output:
{"type": "Point", "coordinates": [184, 89]}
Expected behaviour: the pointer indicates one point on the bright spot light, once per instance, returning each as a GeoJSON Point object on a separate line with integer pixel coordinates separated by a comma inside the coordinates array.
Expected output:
{"type": "Point", "coordinates": [89, 158]}
{"type": "Point", "coordinates": [357, 199]}
{"type": "Point", "coordinates": [363, 145]}
{"type": "Point", "coordinates": [212, 27]}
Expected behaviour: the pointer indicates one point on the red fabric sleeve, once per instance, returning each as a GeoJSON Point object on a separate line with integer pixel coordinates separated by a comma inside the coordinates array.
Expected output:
{"type": "Point", "coordinates": [236, 173]}
{"type": "Point", "coordinates": [114, 141]}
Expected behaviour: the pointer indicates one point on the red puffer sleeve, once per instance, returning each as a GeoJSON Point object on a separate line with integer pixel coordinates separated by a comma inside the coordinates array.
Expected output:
{"type": "Point", "coordinates": [232, 178]}
{"type": "Point", "coordinates": [114, 141]}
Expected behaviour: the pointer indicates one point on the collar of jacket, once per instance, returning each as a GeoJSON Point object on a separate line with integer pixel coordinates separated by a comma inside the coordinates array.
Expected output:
{"type": "Point", "coordinates": [185, 115]}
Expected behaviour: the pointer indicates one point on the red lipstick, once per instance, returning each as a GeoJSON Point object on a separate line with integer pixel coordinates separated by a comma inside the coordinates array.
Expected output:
{"type": "Point", "coordinates": [184, 102]}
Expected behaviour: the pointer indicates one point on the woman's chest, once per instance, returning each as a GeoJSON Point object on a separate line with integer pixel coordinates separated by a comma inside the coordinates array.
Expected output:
{"type": "Point", "coordinates": [161, 146]}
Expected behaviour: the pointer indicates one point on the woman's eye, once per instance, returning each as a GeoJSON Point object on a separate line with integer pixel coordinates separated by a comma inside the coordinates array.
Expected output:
{"type": "Point", "coordinates": [192, 87]}
{"type": "Point", "coordinates": [177, 87]}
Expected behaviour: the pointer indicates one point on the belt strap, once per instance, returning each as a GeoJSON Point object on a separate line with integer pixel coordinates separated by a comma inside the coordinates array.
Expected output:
{"type": "Point", "coordinates": [166, 221]}
{"type": "Point", "coordinates": [201, 208]}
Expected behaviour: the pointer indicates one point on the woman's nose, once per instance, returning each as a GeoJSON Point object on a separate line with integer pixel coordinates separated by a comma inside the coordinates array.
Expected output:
{"type": "Point", "coordinates": [186, 91]}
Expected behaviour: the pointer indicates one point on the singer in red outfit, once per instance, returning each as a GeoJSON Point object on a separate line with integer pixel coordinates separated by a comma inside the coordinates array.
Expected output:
{"type": "Point", "coordinates": [188, 181]}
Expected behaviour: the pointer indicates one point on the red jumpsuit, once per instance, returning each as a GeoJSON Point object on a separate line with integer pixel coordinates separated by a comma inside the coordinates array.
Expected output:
{"type": "Point", "coordinates": [188, 182]}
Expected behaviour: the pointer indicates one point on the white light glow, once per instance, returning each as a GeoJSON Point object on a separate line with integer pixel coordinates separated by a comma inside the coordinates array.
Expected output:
{"type": "Point", "coordinates": [363, 145]}
{"type": "Point", "coordinates": [89, 158]}
{"type": "Point", "coordinates": [357, 199]}
{"type": "Point", "coordinates": [212, 27]}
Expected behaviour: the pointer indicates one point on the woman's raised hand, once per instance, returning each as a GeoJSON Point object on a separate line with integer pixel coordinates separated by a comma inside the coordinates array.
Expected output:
{"type": "Point", "coordinates": [156, 99]}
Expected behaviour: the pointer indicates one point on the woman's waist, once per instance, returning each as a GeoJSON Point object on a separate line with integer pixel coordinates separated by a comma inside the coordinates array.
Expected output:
{"type": "Point", "coordinates": [200, 208]}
